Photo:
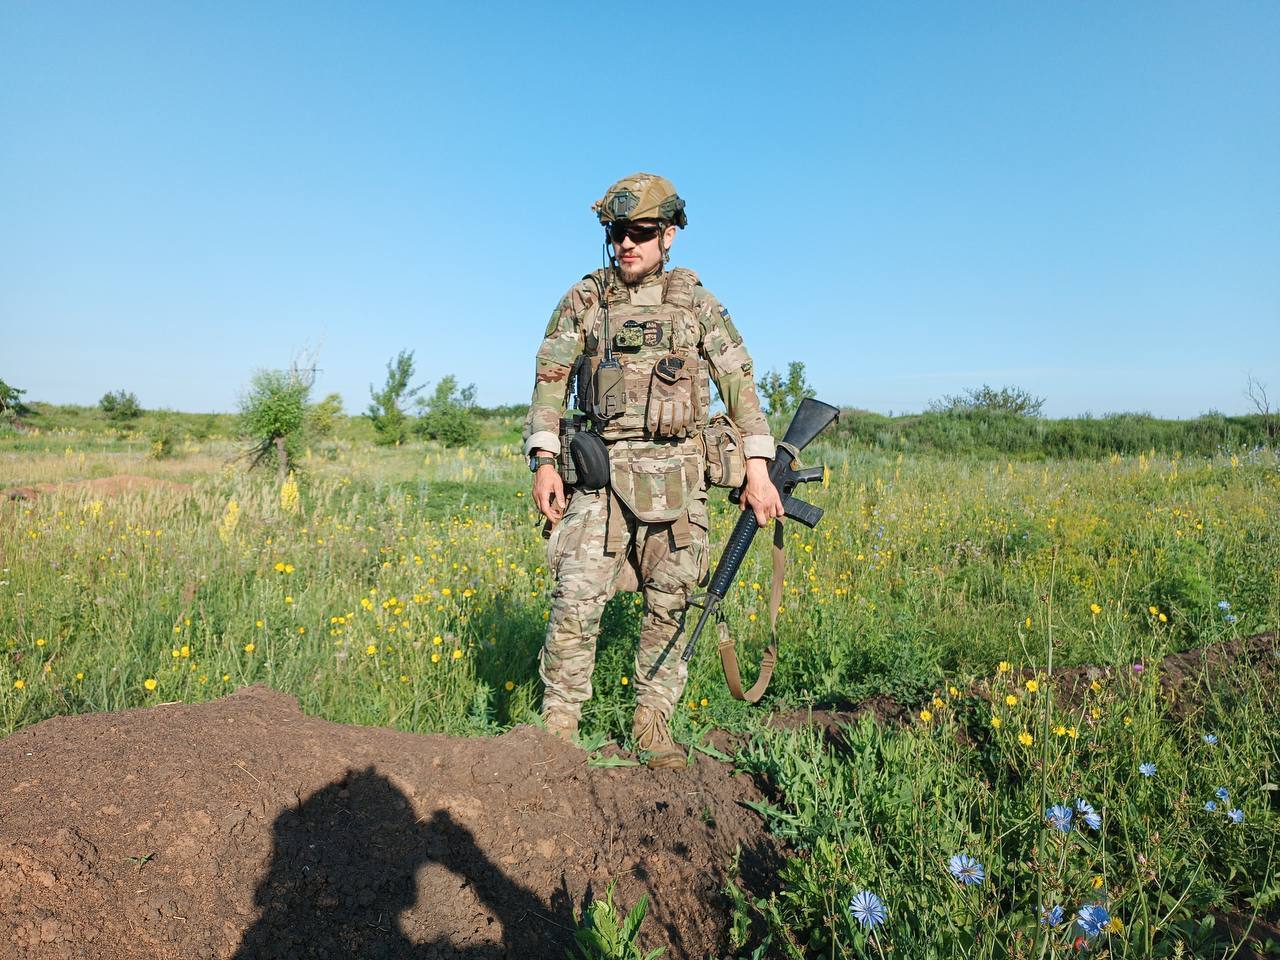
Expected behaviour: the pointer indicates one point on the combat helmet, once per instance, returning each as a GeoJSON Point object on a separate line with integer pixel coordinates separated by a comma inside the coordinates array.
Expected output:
{"type": "Point", "coordinates": [641, 196]}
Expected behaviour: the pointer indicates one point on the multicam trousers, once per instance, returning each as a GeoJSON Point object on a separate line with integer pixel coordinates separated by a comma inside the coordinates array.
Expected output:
{"type": "Point", "coordinates": [586, 577]}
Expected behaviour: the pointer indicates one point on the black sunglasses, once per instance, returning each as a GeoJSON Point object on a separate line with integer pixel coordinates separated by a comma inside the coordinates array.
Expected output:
{"type": "Point", "coordinates": [632, 230]}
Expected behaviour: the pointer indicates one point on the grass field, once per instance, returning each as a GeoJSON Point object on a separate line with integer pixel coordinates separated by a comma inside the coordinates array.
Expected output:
{"type": "Point", "coordinates": [408, 587]}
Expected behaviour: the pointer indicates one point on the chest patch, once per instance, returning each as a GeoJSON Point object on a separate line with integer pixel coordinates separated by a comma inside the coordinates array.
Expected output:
{"type": "Point", "coordinates": [652, 333]}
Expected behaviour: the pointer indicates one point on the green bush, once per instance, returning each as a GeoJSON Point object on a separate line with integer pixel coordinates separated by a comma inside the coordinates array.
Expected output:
{"type": "Point", "coordinates": [449, 415]}
{"type": "Point", "coordinates": [120, 406]}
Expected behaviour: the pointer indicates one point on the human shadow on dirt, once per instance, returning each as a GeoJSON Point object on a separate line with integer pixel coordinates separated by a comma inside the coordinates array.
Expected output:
{"type": "Point", "coordinates": [342, 883]}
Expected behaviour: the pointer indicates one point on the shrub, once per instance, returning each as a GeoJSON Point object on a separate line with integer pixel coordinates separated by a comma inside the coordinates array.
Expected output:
{"type": "Point", "coordinates": [1012, 400]}
{"type": "Point", "coordinates": [272, 413]}
{"type": "Point", "coordinates": [449, 416]}
{"type": "Point", "coordinates": [120, 406]}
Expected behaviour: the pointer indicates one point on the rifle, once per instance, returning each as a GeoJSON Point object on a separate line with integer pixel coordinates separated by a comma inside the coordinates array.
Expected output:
{"type": "Point", "coordinates": [811, 418]}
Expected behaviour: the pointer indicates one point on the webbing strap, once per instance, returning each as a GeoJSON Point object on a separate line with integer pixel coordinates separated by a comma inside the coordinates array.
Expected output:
{"type": "Point", "coordinates": [729, 656]}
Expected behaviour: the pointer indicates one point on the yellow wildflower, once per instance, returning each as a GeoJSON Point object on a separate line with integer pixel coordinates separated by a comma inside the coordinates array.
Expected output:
{"type": "Point", "coordinates": [996, 722]}
{"type": "Point", "coordinates": [20, 683]}
{"type": "Point", "coordinates": [371, 649]}
{"type": "Point", "coordinates": [1060, 730]}
{"type": "Point", "coordinates": [1095, 609]}
{"type": "Point", "coordinates": [953, 691]}
{"type": "Point", "coordinates": [1003, 666]}
{"type": "Point", "coordinates": [1010, 700]}
{"type": "Point", "coordinates": [1128, 720]}
{"type": "Point", "coordinates": [926, 716]}
{"type": "Point", "coordinates": [1097, 883]}
{"type": "Point", "coordinates": [457, 654]}
{"type": "Point", "coordinates": [509, 685]}
{"type": "Point", "coordinates": [149, 683]}
{"type": "Point", "coordinates": [435, 657]}
{"type": "Point", "coordinates": [623, 680]}
{"type": "Point", "coordinates": [1164, 618]}
{"type": "Point", "coordinates": [1153, 610]}
{"type": "Point", "coordinates": [249, 647]}
{"type": "Point", "coordinates": [1032, 686]}
{"type": "Point", "coordinates": [289, 500]}
{"type": "Point", "coordinates": [1025, 739]}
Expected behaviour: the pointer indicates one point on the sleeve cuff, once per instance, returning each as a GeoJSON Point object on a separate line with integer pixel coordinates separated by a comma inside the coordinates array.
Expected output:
{"type": "Point", "coordinates": [759, 445]}
{"type": "Point", "coordinates": [548, 441]}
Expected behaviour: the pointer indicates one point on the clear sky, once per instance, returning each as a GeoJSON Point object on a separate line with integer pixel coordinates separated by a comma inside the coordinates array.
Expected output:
{"type": "Point", "coordinates": [1082, 199]}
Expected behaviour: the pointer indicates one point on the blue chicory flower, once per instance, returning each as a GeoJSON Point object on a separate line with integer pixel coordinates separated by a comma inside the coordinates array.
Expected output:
{"type": "Point", "coordinates": [1223, 605]}
{"type": "Point", "coordinates": [1230, 618]}
{"type": "Point", "coordinates": [1090, 816]}
{"type": "Point", "coordinates": [1210, 806]}
{"type": "Point", "coordinates": [868, 909]}
{"type": "Point", "coordinates": [1147, 769]}
{"type": "Point", "coordinates": [1221, 794]}
{"type": "Point", "coordinates": [966, 869]}
{"type": "Point", "coordinates": [1051, 916]}
{"type": "Point", "coordinates": [1093, 919]}
{"type": "Point", "coordinates": [1059, 817]}
{"type": "Point", "coordinates": [1236, 816]}
{"type": "Point", "coordinates": [1210, 739]}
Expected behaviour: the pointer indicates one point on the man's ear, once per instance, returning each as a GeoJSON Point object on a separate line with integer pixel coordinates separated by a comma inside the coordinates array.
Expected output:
{"type": "Point", "coordinates": [668, 236]}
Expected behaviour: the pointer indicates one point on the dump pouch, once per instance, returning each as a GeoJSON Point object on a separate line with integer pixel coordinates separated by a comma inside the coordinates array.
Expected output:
{"type": "Point", "coordinates": [673, 395]}
{"type": "Point", "coordinates": [726, 458]}
{"type": "Point", "coordinates": [590, 459]}
{"type": "Point", "coordinates": [655, 481]}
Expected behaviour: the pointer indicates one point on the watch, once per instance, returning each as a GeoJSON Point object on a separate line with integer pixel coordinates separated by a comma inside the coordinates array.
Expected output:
{"type": "Point", "coordinates": [535, 462]}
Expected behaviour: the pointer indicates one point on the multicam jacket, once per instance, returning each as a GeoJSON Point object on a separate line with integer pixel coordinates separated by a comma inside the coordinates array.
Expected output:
{"type": "Point", "coordinates": [673, 309]}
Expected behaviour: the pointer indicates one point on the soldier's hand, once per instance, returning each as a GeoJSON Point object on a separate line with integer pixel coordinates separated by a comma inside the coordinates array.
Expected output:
{"type": "Point", "coordinates": [548, 493]}
{"type": "Point", "coordinates": [761, 495]}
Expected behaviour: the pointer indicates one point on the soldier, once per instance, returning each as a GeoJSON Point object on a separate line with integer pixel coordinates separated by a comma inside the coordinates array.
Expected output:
{"type": "Point", "coordinates": [649, 337]}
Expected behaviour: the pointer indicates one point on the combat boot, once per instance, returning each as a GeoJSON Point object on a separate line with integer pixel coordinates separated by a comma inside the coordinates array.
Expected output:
{"type": "Point", "coordinates": [653, 735]}
{"type": "Point", "coordinates": [561, 724]}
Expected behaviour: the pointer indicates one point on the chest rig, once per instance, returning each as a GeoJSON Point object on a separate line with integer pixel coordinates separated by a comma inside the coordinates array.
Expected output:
{"type": "Point", "coordinates": [654, 336]}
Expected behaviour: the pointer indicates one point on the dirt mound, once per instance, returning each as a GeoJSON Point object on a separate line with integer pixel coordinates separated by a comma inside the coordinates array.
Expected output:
{"type": "Point", "coordinates": [242, 828]}
{"type": "Point", "coordinates": [116, 486]}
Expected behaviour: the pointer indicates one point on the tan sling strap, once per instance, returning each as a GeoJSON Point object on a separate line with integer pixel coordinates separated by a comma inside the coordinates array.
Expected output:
{"type": "Point", "coordinates": [728, 655]}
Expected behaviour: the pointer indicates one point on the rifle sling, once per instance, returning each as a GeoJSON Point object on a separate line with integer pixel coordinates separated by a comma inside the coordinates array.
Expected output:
{"type": "Point", "coordinates": [729, 656]}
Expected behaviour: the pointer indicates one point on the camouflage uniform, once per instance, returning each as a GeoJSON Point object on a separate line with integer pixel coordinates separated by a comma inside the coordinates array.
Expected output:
{"type": "Point", "coordinates": [648, 529]}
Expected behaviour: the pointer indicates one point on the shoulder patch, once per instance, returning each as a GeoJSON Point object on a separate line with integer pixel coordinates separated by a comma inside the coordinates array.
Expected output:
{"type": "Point", "coordinates": [552, 324]}
{"type": "Point", "coordinates": [729, 328]}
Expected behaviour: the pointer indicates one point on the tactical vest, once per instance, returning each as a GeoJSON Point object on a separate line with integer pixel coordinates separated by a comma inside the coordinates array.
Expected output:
{"type": "Point", "coordinates": [662, 315]}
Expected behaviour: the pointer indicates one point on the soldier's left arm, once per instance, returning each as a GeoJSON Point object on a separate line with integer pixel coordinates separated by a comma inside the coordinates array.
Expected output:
{"type": "Point", "coordinates": [732, 374]}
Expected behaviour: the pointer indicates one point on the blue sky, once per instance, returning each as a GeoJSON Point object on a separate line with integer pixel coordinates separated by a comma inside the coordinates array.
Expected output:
{"type": "Point", "coordinates": [1080, 199]}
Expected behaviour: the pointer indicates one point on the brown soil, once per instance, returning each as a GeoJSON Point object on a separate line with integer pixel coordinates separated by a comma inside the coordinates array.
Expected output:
{"type": "Point", "coordinates": [242, 828]}
{"type": "Point", "coordinates": [115, 486]}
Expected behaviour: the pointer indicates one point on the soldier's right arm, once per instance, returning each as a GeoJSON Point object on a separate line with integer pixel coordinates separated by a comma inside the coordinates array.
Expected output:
{"type": "Point", "coordinates": [561, 345]}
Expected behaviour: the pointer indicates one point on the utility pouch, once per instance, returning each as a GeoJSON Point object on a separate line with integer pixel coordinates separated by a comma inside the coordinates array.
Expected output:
{"type": "Point", "coordinates": [672, 395]}
{"type": "Point", "coordinates": [590, 459]}
{"type": "Point", "coordinates": [726, 459]}
{"type": "Point", "coordinates": [569, 428]}
{"type": "Point", "coordinates": [655, 484]}
{"type": "Point", "coordinates": [608, 391]}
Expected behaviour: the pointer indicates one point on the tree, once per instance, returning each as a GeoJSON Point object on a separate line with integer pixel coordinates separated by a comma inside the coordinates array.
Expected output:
{"type": "Point", "coordinates": [1256, 391]}
{"type": "Point", "coordinates": [272, 413]}
{"type": "Point", "coordinates": [322, 417]}
{"type": "Point", "coordinates": [781, 396]}
{"type": "Point", "coordinates": [11, 405]}
{"type": "Point", "coordinates": [450, 415]}
{"type": "Point", "coordinates": [1011, 400]}
{"type": "Point", "coordinates": [120, 406]}
{"type": "Point", "coordinates": [390, 423]}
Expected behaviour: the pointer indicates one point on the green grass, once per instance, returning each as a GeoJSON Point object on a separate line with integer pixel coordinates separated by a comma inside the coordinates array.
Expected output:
{"type": "Point", "coordinates": [409, 588]}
